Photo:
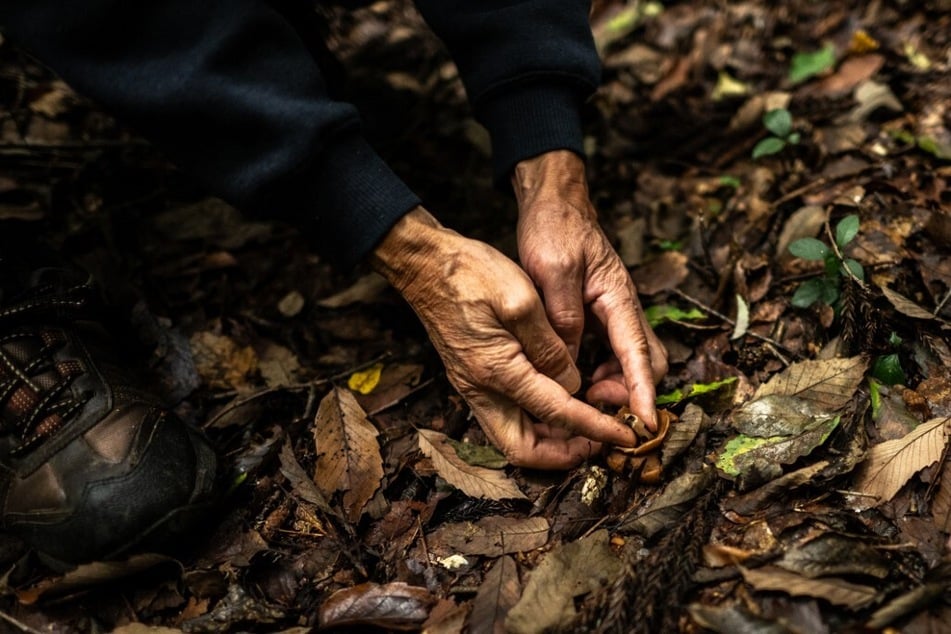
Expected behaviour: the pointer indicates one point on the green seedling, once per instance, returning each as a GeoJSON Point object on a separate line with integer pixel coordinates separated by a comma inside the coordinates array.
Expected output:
{"type": "Point", "coordinates": [807, 65]}
{"type": "Point", "coordinates": [887, 368]}
{"type": "Point", "coordinates": [779, 122]}
{"type": "Point", "coordinates": [826, 289]}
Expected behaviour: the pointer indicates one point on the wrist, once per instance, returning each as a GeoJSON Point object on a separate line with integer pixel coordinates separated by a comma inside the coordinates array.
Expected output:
{"type": "Point", "coordinates": [407, 248]}
{"type": "Point", "coordinates": [558, 175]}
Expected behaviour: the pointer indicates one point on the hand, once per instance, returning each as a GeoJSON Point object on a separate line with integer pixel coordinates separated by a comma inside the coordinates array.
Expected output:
{"type": "Point", "coordinates": [566, 253]}
{"type": "Point", "coordinates": [487, 322]}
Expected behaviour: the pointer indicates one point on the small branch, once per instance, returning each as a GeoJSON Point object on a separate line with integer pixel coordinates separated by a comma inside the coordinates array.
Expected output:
{"type": "Point", "coordinates": [774, 345]}
{"type": "Point", "coordinates": [23, 627]}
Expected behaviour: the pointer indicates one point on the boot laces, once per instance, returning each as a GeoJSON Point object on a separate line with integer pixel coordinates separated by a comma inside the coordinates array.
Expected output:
{"type": "Point", "coordinates": [35, 399]}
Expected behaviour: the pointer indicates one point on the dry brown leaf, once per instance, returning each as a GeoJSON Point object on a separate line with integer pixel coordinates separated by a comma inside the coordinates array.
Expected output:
{"type": "Point", "coordinates": [348, 455]}
{"type": "Point", "coordinates": [93, 574]}
{"type": "Point", "coordinates": [497, 595]}
{"type": "Point", "coordinates": [835, 591]}
{"type": "Point", "coordinates": [827, 383]}
{"type": "Point", "coordinates": [493, 536]}
{"type": "Point", "coordinates": [221, 362]}
{"type": "Point", "coordinates": [889, 465]}
{"type": "Point", "coordinates": [805, 222]}
{"type": "Point", "coordinates": [567, 572]}
{"type": "Point", "coordinates": [941, 505]}
{"type": "Point", "coordinates": [669, 506]}
{"type": "Point", "coordinates": [476, 482]}
{"type": "Point", "coordinates": [852, 72]}
{"type": "Point", "coordinates": [663, 273]}
{"type": "Point", "coordinates": [682, 434]}
{"type": "Point", "coordinates": [733, 619]}
{"type": "Point", "coordinates": [395, 606]}
{"type": "Point", "coordinates": [301, 484]}
{"type": "Point", "coordinates": [905, 306]}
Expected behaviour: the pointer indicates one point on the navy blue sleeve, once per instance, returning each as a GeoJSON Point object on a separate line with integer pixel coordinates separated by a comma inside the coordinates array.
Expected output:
{"type": "Point", "coordinates": [232, 94]}
{"type": "Point", "coordinates": [527, 66]}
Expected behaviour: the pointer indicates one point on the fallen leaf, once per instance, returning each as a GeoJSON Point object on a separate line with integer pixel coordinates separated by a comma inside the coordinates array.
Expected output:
{"type": "Point", "coordinates": [832, 554]}
{"type": "Point", "coordinates": [670, 505]}
{"type": "Point", "coordinates": [775, 415]}
{"type": "Point", "coordinates": [905, 306]}
{"type": "Point", "coordinates": [277, 364]}
{"type": "Point", "coordinates": [567, 572]}
{"type": "Point", "coordinates": [908, 603]}
{"type": "Point", "coordinates": [889, 465]}
{"type": "Point", "coordinates": [291, 304]}
{"type": "Point", "coordinates": [683, 433]}
{"type": "Point", "coordinates": [221, 362]}
{"type": "Point", "coordinates": [348, 455]}
{"type": "Point", "coordinates": [365, 381]}
{"type": "Point", "coordinates": [476, 482]}
{"type": "Point", "coordinates": [397, 381]}
{"type": "Point", "coordinates": [826, 383]}
{"type": "Point", "coordinates": [752, 501]}
{"type": "Point", "coordinates": [663, 273]}
{"type": "Point", "coordinates": [479, 455]}
{"type": "Point", "coordinates": [755, 460]}
{"type": "Point", "coordinates": [941, 504]}
{"type": "Point", "coordinates": [805, 222]}
{"type": "Point", "coordinates": [498, 594]}
{"type": "Point", "coordinates": [93, 574]}
{"type": "Point", "coordinates": [397, 606]}
{"type": "Point", "coordinates": [835, 591]}
{"type": "Point", "coordinates": [733, 619]}
{"type": "Point", "coordinates": [493, 536]}
{"type": "Point", "coordinates": [446, 618]}
{"type": "Point", "coordinates": [301, 484]}
{"type": "Point", "coordinates": [871, 96]}
{"type": "Point", "coordinates": [742, 318]}
{"type": "Point", "coordinates": [852, 72]}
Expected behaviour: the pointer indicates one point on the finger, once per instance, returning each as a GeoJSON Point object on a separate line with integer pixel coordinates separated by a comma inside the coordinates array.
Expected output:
{"type": "Point", "coordinates": [564, 305]}
{"type": "Point", "coordinates": [523, 442]}
{"type": "Point", "coordinates": [544, 349]}
{"type": "Point", "coordinates": [551, 404]}
{"type": "Point", "coordinates": [606, 369]}
{"type": "Point", "coordinates": [629, 342]}
{"type": "Point", "coordinates": [610, 391]}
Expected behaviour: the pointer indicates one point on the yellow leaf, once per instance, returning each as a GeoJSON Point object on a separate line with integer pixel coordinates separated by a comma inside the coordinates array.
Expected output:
{"type": "Point", "coordinates": [862, 42]}
{"type": "Point", "coordinates": [366, 381]}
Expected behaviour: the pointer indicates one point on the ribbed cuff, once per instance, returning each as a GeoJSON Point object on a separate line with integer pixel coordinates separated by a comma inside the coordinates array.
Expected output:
{"type": "Point", "coordinates": [357, 199]}
{"type": "Point", "coordinates": [528, 120]}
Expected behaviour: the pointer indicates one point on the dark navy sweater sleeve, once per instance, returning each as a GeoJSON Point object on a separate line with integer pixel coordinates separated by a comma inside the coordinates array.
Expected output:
{"type": "Point", "coordinates": [232, 94]}
{"type": "Point", "coordinates": [527, 66]}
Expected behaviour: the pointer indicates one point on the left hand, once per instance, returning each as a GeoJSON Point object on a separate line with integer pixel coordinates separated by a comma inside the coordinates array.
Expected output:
{"type": "Point", "coordinates": [563, 249]}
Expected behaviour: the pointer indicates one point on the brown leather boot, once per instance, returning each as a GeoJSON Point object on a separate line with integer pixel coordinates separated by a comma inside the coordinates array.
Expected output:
{"type": "Point", "coordinates": [91, 466]}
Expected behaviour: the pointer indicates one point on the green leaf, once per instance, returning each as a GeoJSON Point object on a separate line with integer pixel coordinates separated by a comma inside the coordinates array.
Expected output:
{"type": "Point", "coordinates": [809, 249]}
{"type": "Point", "coordinates": [808, 293]}
{"type": "Point", "coordinates": [479, 455]}
{"type": "Point", "coordinates": [697, 389]}
{"type": "Point", "coordinates": [855, 267]}
{"type": "Point", "coordinates": [888, 370]}
{"type": "Point", "coordinates": [806, 65]}
{"type": "Point", "coordinates": [758, 459]}
{"type": "Point", "coordinates": [769, 145]}
{"type": "Point", "coordinates": [875, 397]}
{"type": "Point", "coordinates": [778, 121]}
{"type": "Point", "coordinates": [670, 245]}
{"type": "Point", "coordinates": [657, 315]}
{"type": "Point", "coordinates": [793, 138]}
{"type": "Point", "coordinates": [894, 339]}
{"type": "Point", "coordinates": [846, 230]}
{"type": "Point", "coordinates": [730, 181]}
{"type": "Point", "coordinates": [830, 290]}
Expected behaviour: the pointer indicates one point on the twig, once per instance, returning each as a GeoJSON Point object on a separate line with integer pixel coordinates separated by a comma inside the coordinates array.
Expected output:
{"type": "Point", "coordinates": [799, 191]}
{"type": "Point", "coordinates": [941, 304]}
{"type": "Point", "coordinates": [774, 345]}
{"type": "Point", "coordinates": [23, 627]}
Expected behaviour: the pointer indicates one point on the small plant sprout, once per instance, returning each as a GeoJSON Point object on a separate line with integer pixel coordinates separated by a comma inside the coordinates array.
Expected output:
{"type": "Point", "coordinates": [826, 288]}
{"type": "Point", "coordinates": [779, 122]}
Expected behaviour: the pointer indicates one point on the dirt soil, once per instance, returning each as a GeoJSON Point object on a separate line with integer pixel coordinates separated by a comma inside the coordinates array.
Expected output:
{"type": "Point", "coordinates": [803, 297]}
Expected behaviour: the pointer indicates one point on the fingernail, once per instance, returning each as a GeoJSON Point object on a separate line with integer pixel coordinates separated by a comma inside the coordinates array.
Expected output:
{"type": "Point", "coordinates": [573, 351]}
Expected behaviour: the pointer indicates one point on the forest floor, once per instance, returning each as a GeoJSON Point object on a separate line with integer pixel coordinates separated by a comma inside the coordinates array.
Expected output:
{"type": "Point", "coordinates": [806, 486]}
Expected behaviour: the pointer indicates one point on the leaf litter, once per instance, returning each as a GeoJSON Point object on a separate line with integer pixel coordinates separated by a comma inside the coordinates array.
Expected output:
{"type": "Point", "coordinates": [384, 506]}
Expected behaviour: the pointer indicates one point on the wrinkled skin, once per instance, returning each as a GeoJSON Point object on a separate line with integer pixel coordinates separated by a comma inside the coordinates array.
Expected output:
{"type": "Point", "coordinates": [563, 249]}
{"type": "Point", "coordinates": [508, 354]}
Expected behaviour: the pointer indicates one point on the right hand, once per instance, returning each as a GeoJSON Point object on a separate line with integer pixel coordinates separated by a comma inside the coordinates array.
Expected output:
{"type": "Point", "coordinates": [489, 326]}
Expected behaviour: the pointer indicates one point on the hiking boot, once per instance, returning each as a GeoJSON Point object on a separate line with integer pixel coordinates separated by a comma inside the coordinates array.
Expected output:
{"type": "Point", "coordinates": [91, 466]}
